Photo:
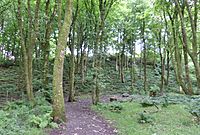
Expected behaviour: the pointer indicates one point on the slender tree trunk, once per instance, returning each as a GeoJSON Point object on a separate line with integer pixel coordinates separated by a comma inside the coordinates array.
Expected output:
{"type": "Point", "coordinates": [72, 70]}
{"type": "Point", "coordinates": [25, 56]}
{"type": "Point", "coordinates": [168, 66]}
{"type": "Point", "coordinates": [72, 65]}
{"type": "Point", "coordinates": [119, 65]}
{"type": "Point", "coordinates": [132, 66]}
{"type": "Point", "coordinates": [104, 7]}
{"type": "Point", "coordinates": [58, 97]}
{"type": "Point", "coordinates": [83, 63]}
{"type": "Point", "coordinates": [28, 51]}
{"type": "Point", "coordinates": [72, 57]}
{"type": "Point", "coordinates": [193, 24]}
{"type": "Point", "coordinates": [116, 62]}
{"type": "Point", "coordinates": [162, 60]}
{"type": "Point", "coordinates": [185, 48]}
{"type": "Point", "coordinates": [177, 62]}
{"type": "Point", "coordinates": [144, 57]}
{"type": "Point", "coordinates": [122, 63]}
{"type": "Point", "coordinates": [162, 72]}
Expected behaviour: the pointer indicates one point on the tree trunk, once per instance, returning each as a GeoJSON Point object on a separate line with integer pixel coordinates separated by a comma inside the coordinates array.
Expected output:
{"type": "Point", "coordinates": [162, 60]}
{"type": "Point", "coordinates": [72, 70]}
{"type": "Point", "coordinates": [144, 57]}
{"type": "Point", "coordinates": [185, 48]}
{"type": "Point", "coordinates": [132, 69]}
{"type": "Point", "coordinates": [168, 66]}
{"type": "Point", "coordinates": [116, 62]}
{"type": "Point", "coordinates": [193, 24]}
{"type": "Point", "coordinates": [104, 8]}
{"type": "Point", "coordinates": [72, 57]}
{"type": "Point", "coordinates": [58, 97]}
{"type": "Point", "coordinates": [28, 50]}
{"type": "Point", "coordinates": [122, 63]}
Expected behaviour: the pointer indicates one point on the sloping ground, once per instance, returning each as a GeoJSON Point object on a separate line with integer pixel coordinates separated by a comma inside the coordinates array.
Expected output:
{"type": "Point", "coordinates": [9, 84]}
{"type": "Point", "coordinates": [170, 115]}
{"type": "Point", "coordinates": [83, 121]}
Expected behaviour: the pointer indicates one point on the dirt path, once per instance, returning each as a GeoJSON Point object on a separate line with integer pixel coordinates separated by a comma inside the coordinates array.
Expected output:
{"type": "Point", "coordinates": [83, 121]}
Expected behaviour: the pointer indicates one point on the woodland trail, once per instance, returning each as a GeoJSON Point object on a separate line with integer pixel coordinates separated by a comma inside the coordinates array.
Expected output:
{"type": "Point", "coordinates": [81, 120]}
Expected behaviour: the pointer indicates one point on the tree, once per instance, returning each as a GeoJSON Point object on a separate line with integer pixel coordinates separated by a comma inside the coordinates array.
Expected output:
{"type": "Point", "coordinates": [64, 29]}
{"type": "Point", "coordinates": [104, 8]}
{"type": "Point", "coordinates": [28, 43]}
{"type": "Point", "coordinates": [72, 56]}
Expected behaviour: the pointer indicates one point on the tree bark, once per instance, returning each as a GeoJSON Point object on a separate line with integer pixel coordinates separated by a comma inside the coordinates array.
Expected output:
{"type": "Point", "coordinates": [144, 57]}
{"type": "Point", "coordinates": [25, 56]}
{"type": "Point", "coordinates": [58, 97]}
{"type": "Point", "coordinates": [185, 48]}
{"type": "Point", "coordinates": [193, 24]}
{"type": "Point", "coordinates": [72, 57]}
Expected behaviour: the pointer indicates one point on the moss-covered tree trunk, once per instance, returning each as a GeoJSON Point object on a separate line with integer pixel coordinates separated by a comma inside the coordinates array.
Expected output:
{"type": "Point", "coordinates": [58, 97]}
{"type": "Point", "coordinates": [193, 15]}
{"type": "Point", "coordinates": [188, 83]}
{"type": "Point", "coordinates": [177, 53]}
{"type": "Point", "coordinates": [72, 71]}
{"type": "Point", "coordinates": [72, 56]}
{"type": "Point", "coordinates": [24, 53]}
{"type": "Point", "coordinates": [32, 34]}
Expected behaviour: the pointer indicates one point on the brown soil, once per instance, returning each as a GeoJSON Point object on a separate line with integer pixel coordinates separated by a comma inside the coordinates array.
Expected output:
{"type": "Point", "coordinates": [81, 120]}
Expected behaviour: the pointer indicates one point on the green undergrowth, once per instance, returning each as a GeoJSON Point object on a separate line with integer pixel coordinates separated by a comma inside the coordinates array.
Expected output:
{"type": "Point", "coordinates": [131, 118]}
{"type": "Point", "coordinates": [24, 118]}
{"type": "Point", "coordinates": [109, 81]}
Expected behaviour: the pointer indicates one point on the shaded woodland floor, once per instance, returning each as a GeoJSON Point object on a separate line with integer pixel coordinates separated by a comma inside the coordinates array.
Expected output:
{"type": "Point", "coordinates": [126, 116]}
{"type": "Point", "coordinates": [81, 120]}
{"type": "Point", "coordinates": [9, 85]}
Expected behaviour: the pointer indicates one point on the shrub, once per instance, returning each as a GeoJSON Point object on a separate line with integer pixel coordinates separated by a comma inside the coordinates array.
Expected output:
{"type": "Point", "coordinates": [113, 107]}
{"type": "Point", "coordinates": [23, 118]}
{"type": "Point", "coordinates": [145, 118]}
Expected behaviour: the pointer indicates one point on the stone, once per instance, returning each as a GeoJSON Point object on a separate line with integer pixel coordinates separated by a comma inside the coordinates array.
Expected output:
{"type": "Point", "coordinates": [125, 95]}
{"type": "Point", "coordinates": [113, 98]}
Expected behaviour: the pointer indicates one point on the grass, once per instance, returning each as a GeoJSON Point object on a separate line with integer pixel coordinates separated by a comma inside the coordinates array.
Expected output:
{"type": "Point", "coordinates": [173, 120]}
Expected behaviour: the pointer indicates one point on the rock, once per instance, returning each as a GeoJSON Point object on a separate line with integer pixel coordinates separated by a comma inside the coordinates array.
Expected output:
{"type": "Point", "coordinates": [125, 95]}
{"type": "Point", "coordinates": [113, 98]}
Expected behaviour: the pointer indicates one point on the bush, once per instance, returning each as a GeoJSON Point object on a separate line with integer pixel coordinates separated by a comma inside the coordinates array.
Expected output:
{"type": "Point", "coordinates": [23, 118]}
{"type": "Point", "coordinates": [113, 107]}
{"type": "Point", "coordinates": [145, 118]}
{"type": "Point", "coordinates": [8, 87]}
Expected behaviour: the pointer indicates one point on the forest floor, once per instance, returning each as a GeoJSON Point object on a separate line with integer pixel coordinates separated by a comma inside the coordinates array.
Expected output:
{"type": "Point", "coordinates": [173, 114]}
{"type": "Point", "coordinates": [81, 120]}
{"type": "Point", "coordinates": [9, 80]}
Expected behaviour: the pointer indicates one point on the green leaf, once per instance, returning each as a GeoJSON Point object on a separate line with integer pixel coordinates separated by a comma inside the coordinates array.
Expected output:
{"type": "Point", "coordinates": [43, 124]}
{"type": "Point", "coordinates": [53, 125]}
